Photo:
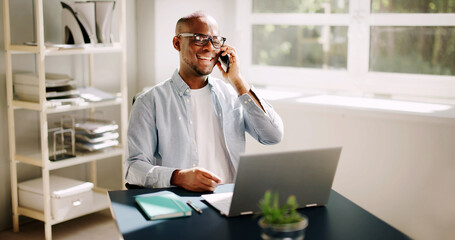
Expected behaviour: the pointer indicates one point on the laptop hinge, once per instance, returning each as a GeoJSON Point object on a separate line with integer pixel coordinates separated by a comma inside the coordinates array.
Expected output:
{"type": "Point", "coordinates": [246, 213]}
{"type": "Point", "coordinates": [311, 205]}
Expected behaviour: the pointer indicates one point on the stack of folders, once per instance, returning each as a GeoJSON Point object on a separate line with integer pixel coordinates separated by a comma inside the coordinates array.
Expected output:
{"type": "Point", "coordinates": [58, 86]}
{"type": "Point", "coordinates": [163, 204]}
{"type": "Point", "coordinates": [91, 94]}
{"type": "Point", "coordinates": [93, 134]}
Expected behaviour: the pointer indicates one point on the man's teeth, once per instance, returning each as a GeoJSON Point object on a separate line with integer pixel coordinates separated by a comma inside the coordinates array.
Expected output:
{"type": "Point", "coordinates": [205, 58]}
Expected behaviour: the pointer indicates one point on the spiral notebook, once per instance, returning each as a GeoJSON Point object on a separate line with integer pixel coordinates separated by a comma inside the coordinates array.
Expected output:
{"type": "Point", "coordinates": [163, 204]}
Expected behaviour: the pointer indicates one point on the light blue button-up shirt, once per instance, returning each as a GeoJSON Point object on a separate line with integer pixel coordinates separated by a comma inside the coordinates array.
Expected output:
{"type": "Point", "coordinates": [161, 136]}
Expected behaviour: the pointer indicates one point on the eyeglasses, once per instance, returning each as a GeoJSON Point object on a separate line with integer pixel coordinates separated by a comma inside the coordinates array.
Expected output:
{"type": "Point", "coordinates": [202, 39]}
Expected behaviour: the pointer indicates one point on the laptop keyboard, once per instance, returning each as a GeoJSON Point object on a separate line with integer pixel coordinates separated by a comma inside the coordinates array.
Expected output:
{"type": "Point", "coordinates": [220, 201]}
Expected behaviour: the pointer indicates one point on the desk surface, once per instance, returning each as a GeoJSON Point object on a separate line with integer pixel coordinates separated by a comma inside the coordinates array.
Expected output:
{"type": "Point", "coordinates": [340, 219]}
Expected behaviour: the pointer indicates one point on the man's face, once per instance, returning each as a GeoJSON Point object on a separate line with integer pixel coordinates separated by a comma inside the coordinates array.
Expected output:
{"type": "Point", "coordinates": [198, 60]}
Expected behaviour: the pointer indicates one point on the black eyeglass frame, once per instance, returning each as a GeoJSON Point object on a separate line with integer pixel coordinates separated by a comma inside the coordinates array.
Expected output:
{"type": "Point", "coordinates": [207, 37]}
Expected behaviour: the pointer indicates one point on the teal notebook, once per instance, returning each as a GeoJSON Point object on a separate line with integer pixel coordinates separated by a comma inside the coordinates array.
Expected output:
{"type": "Point", "coordinates": [163, 204]}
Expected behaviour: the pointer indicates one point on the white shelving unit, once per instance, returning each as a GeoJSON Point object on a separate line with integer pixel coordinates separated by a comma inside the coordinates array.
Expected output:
{"type": "Point", "coordinates": [41, 157]}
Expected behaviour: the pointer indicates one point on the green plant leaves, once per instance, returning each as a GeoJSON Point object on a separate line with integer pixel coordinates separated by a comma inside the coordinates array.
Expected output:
{"type": "Point", "coordinates": [274, 214]}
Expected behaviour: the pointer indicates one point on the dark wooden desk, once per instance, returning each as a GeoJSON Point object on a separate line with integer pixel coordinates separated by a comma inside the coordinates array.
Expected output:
{"type": "Point", "coordinates": [340, 219]}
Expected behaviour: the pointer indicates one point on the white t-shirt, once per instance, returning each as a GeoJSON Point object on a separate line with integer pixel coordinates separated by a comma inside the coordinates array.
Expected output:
{"type": "Point", "coordinates": [211, 146]}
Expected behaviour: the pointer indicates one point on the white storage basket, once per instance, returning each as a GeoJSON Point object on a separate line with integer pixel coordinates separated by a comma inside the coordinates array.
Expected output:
{"type": "Point", "coordinates": [69, 197]}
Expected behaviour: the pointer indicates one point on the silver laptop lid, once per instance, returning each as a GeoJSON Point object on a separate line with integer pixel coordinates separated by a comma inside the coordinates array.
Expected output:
{"type": "Point", "coordinates": [307, 174]}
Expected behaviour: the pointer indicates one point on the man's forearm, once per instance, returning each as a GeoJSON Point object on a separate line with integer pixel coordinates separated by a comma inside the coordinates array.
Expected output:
{"type": "Point", "coordinates": [242, 87]}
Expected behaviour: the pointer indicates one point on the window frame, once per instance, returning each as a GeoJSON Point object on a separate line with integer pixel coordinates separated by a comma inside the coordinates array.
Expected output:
{"type": "Point", "coordinates": [356, 79]}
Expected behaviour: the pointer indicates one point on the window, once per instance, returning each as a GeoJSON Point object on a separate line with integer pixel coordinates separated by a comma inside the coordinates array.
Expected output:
{"type": "Point", "coordinates": [419, 50]}
{"type": "Point", "coordinates": [397, 47]}
{"type": "Point", "coordinates": [322, 47]}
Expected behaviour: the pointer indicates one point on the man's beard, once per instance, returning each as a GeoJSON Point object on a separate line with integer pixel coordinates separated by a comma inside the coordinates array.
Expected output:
{"type": "Point", "coordinates": [196, 69]}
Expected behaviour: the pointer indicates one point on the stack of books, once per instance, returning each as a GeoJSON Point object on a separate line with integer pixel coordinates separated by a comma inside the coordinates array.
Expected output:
{"type": "Point", "coordinates": [57, 86]}
{"type": "Point", "coordinates": [93, 134]}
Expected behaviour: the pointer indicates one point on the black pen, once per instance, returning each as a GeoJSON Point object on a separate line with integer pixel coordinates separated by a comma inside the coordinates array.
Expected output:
{"type": "Point", "coordinates": [194, 207]}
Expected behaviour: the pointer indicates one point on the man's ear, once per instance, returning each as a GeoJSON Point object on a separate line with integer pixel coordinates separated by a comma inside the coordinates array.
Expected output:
{"type": "Point", "coordinates": [176, 43]}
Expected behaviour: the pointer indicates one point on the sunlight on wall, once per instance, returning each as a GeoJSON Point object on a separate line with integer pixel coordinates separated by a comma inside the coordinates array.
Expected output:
{"type": "Point", "coordinates": [382, 104]}
{"type": "Point", "coordinates": [277, 95]}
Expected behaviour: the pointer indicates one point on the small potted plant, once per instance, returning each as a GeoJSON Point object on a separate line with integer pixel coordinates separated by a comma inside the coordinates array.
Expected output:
{"type": "Point", "coordinates": [281, 222]}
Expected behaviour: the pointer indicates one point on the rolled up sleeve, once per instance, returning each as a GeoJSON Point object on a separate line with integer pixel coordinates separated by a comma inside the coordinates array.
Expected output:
{"type": "Point", "coordinates": [266, 127]}
{"type": "Point", "coordinates": [141, 168]}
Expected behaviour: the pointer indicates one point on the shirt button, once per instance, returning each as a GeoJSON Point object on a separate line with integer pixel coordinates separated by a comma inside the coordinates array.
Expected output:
{"type": "Point", "coordinates": [187, 90]}
{"type": "Point", "coordinates": [181, 93]}
{"type": "Point", "coordinates": [191, 122]}
{"type": "Point", "coordinates": [194, 164]}
{"type": "Point", "coordinates": [249, 100]}
{"type": "Point", "coordinates": [187, 100]}
{"type": "Point", "coordinates": [245, 102]}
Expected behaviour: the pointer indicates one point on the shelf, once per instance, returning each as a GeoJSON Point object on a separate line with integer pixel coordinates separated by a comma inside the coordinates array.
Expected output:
{"type": "Point", "coordinates": [114, 102]}
{"type": "Point", "coordinates": [18, 104]}
{"type": "Point", "coordinates": [35, 159]}
{"type": "Point", "coordinates": [100, 202]}
{"type": "Point", "coordinates": [32, 148]}
{"type": "Point", "coordinates": [54, 51]}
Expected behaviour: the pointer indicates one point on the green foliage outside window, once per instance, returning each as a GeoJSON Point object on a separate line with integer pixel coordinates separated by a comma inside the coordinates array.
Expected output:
{"type": "Point", "coordinates": [300, 6]}
{"type": "Point", "coordinates": [300, 46]}
{"type": "Point", "coordinates": [417, 50]}
{"type": "Point", "coordinates": [398, 49]}
{"type": "Point", "coordinates": [413, 6]}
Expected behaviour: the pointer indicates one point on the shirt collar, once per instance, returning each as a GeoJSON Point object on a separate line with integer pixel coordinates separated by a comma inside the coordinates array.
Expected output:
{"type": "Point", "coordinates": [181, 87]}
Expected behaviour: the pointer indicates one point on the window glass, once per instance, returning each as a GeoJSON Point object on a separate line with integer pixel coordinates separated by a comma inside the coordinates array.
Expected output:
{"type": "Point", "coordinates": [414, 6]}
{"type": "Point", "coordinates": [418, 50]}
{"type": "Point", "coordinates": [300, 6]}
{"type": "Point", "coordinates": [300, 46]}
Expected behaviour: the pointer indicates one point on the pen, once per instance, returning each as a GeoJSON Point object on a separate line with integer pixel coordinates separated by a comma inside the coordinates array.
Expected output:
{"type": "Point", "coordinates": [194, 207]}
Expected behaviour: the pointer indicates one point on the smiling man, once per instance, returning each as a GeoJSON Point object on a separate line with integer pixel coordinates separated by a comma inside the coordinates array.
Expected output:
{"type": "Point", "coordinates": [189, 130]}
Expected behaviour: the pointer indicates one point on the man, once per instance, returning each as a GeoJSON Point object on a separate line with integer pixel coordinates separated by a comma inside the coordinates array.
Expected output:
{"type": "Point", "coordinates": [190, 130]}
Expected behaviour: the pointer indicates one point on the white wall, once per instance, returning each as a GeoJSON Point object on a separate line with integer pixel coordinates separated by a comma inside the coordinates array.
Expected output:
{"type": "Point", "coordinates": [22, 22]}
{"type": "Point", "coordinates": [145, 33]}
{"type": "Point", "coordinates": [397, 166]}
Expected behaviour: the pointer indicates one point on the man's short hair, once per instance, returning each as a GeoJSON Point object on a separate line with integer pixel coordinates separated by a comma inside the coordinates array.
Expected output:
{"type": "Point", "coordinates": [187, 19]}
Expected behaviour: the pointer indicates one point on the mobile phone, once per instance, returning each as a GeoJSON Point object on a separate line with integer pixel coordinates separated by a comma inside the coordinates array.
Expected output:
{"type": "Point", "coordinates": [224, 60]}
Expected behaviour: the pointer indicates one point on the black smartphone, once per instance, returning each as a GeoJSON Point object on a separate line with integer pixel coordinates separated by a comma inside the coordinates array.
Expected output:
{"type": "Point", "coordinates": [224, 60]}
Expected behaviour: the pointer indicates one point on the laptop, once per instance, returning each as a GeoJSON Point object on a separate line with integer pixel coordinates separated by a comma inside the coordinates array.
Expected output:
{"type": "Point", "coordinates": [307, 174]}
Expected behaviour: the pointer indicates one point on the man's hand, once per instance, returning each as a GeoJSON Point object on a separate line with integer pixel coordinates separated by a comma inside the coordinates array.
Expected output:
{"type": "Point", "coordinates": [233, 76]}
{"type": "Point", "coordinates": [195, 179]}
